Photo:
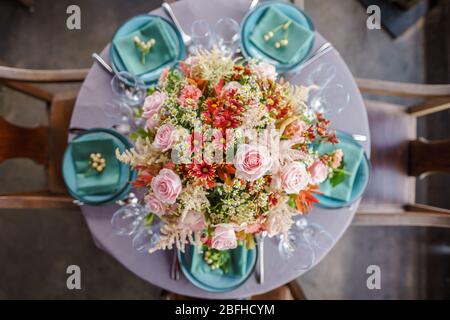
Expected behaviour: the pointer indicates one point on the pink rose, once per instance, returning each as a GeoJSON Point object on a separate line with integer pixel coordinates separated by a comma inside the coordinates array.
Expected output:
{"type": "Point", "coordinates": [264, 70]}
{"type": "Point", "coordinates": [166, 186]}
{"type": "Point", "coordinates": [153, 104]}
{"type": "Point", "coordinates": [224, 237]}
{"type": "Point", "coordinates": [294, 178]}
{"type": "Point", "coordinates": [195, 221]}
{"type": "Point", "coordinates": [318, 172]}
{"type": "Point", "coordinates": [165, 137]}
{"type": "Point", "coordinates": [154, 205]}
{"type": "Point", "coordinates": [189, 96]}
{"type": "Point", "coordinates": [252, 161]}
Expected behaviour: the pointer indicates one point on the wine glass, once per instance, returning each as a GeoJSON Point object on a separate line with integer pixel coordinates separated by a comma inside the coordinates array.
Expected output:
{"type": "Point", "coordinates": [330, 99]}
{"type": "Point", "coordinates": [313, 233]}
{"type": "Point", "coordinates": [201, 36]}
{"type": "Point", "coordinates": [126, 220]}
{"type": "Point", "coordinates": [226, 32]}
{"type": "Point", "coordinates": [121, 115]}
{"type": "Point", "coordinates": [128, 88]}
{"type": "Point", "coordinates": [295, 249]}
{"type": "Point", "coordinates": [146, 237]}
{"type": "Point", "coordinates": [321, 75]}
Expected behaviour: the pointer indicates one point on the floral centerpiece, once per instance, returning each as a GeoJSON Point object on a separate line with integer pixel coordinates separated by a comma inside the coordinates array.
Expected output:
{"type": "Point", "coordinates": [227, 152]}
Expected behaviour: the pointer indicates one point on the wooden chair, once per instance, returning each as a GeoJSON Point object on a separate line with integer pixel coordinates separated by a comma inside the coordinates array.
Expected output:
{"type": "Point", "coordinates": [398, 156]}
{"type": "Point", "coordinates": [44, 145]}
{"type": "Point", "coordinates": [290, 291]}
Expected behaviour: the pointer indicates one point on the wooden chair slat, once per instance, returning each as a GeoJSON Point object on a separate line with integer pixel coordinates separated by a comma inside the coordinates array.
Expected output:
{"type": "Point", "coordinates": [430, 107]}
{"type": "Point", "coordinates": [390, 88]}
{"type": "Point", "coordinates": [20, 142]}
{"type": "Point", "coordinates": [68, 75]}
{"type": "Point", "coordinates": [429, 157]}
{"type": "Point", "coordinates": [419, 219]}
{"type": "Point", "coordinates": [60, 114]}
{"type": "Point", "coordinates": [36, 201]}
{"type": "Point", "coordinates": [30, 90]}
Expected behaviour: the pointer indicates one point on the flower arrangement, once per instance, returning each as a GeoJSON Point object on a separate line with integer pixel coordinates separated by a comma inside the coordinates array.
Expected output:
{"type": "Point", "coordinates": [227, 152]}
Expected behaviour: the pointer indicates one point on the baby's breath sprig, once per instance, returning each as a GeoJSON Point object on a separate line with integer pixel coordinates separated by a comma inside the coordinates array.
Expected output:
{"type": "Point", "coordinates": [144, 47]}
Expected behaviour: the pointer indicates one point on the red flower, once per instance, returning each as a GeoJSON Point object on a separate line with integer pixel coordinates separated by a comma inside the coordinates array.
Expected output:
{"type": "Point", "coordinates": [202, 171]}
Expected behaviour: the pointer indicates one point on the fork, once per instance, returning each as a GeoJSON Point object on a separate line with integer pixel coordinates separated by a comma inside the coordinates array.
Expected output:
{"type": "Point", "coordinates": [168, 10]}
{"type": "Point", "coordinates": [174, 270]}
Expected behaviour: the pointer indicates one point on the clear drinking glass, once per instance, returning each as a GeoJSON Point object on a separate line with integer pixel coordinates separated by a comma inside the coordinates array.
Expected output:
{"type": "Point", "coordinates": [146, 237]}
{"type": "Point", "coordinates": [128, 88]}
{"type": "Point", "coordinates": [201, 35]}
{"type": "Point", "coordinates": [295, 249]}
{"type": "Point", "coordinates": [226, 33]}
{"type": "Point", "coordinates": [121, 116]}
{"type": "Point", "coordinates": [331, 99]}
{"type": "Point", "coordinates": [313, 233]}
{"type": "Point", "coordinates": [127, 219]}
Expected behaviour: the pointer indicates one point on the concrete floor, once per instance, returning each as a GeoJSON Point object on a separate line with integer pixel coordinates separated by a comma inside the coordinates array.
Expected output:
{"type": "Point", "coordinates": [37, 246]}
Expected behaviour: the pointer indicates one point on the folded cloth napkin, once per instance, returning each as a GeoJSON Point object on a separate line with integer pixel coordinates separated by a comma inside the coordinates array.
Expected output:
{"type": "Point", "coordinates": [238, 266]}
{"type": "Point", "coordinates": [299, 37]}
{"type": "Point", "coordinates": [88, 181]}
{"type": "Point", "coordinates": [164, 50]}
{"type": "Point", "coordinates": [353, 155]}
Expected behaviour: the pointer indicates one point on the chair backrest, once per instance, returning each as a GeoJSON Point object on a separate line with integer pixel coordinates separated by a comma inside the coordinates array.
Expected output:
{"type": "Point", "coordinates": [44, 145]}
{"type": "Point", "coordinates": [422, 156]}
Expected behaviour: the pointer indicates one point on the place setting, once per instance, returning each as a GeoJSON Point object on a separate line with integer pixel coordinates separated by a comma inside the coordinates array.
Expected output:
{"type": "Point", "coordinates": [211, 153]}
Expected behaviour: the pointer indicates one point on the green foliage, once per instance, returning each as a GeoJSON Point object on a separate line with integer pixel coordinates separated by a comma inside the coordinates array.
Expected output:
{"type": "Point", "coordinates": [148, 221]}
{"type": "Point", "coordinates": [141, 133]}
{"type": "Point", "coordinates": [218, 259]}
{"type": "Point", "coordinates": [338, 175]}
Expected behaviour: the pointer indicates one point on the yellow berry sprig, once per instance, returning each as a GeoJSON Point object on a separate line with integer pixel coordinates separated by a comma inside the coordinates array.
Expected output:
{"type": "Point", "coordinates": [97, 162]}
{"type": "Point", "coordinates": [283, 42]}
{"type": "Point", "coordinates": [144, 47]}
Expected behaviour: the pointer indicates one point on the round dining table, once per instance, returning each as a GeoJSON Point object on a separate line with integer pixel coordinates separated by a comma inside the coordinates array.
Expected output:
{"type": "Point", "coordinates": [155, 268]}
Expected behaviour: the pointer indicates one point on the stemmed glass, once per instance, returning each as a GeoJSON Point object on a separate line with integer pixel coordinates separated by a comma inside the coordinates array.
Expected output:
{"type": "Point", "coordinates": [126, 220]}
{"type": "Point", "coordinates": [146, 237]}
{"type": "Point", "coordinates": [302, 241]}
{"type": "Point", "coordinates": [331, 99]}
{"type": "Point", "coordinates": [121, 115]}
{"type": "Point", "coordinates": [128, 88]}
{"type": "Point", "coordinates": [313, 233]}
{"type": "Point", "coordinates": [226, 32]}
{"type": "Point", "coordinates": [129, 219]}
{"type": "Point", "coordinates": [291, 246]}
{"type": "Point", "coordinates": [201, 36]}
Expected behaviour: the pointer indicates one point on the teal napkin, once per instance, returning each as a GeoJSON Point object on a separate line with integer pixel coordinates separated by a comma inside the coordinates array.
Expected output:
{"type": "Point", "coordinates": [91, 182]}
{"type": "Point", "coordinates": [353, 155]}
{"type": "Point", "coordinates": [238, 263]}
{"type": "Point", "coordinates": [299, 37]}
{"type": "Point", "coordinates": [164, 50]}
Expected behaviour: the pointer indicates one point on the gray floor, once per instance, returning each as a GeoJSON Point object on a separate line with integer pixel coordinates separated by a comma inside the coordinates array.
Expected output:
{"type": "Point", "coordinates": [37, 246]}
